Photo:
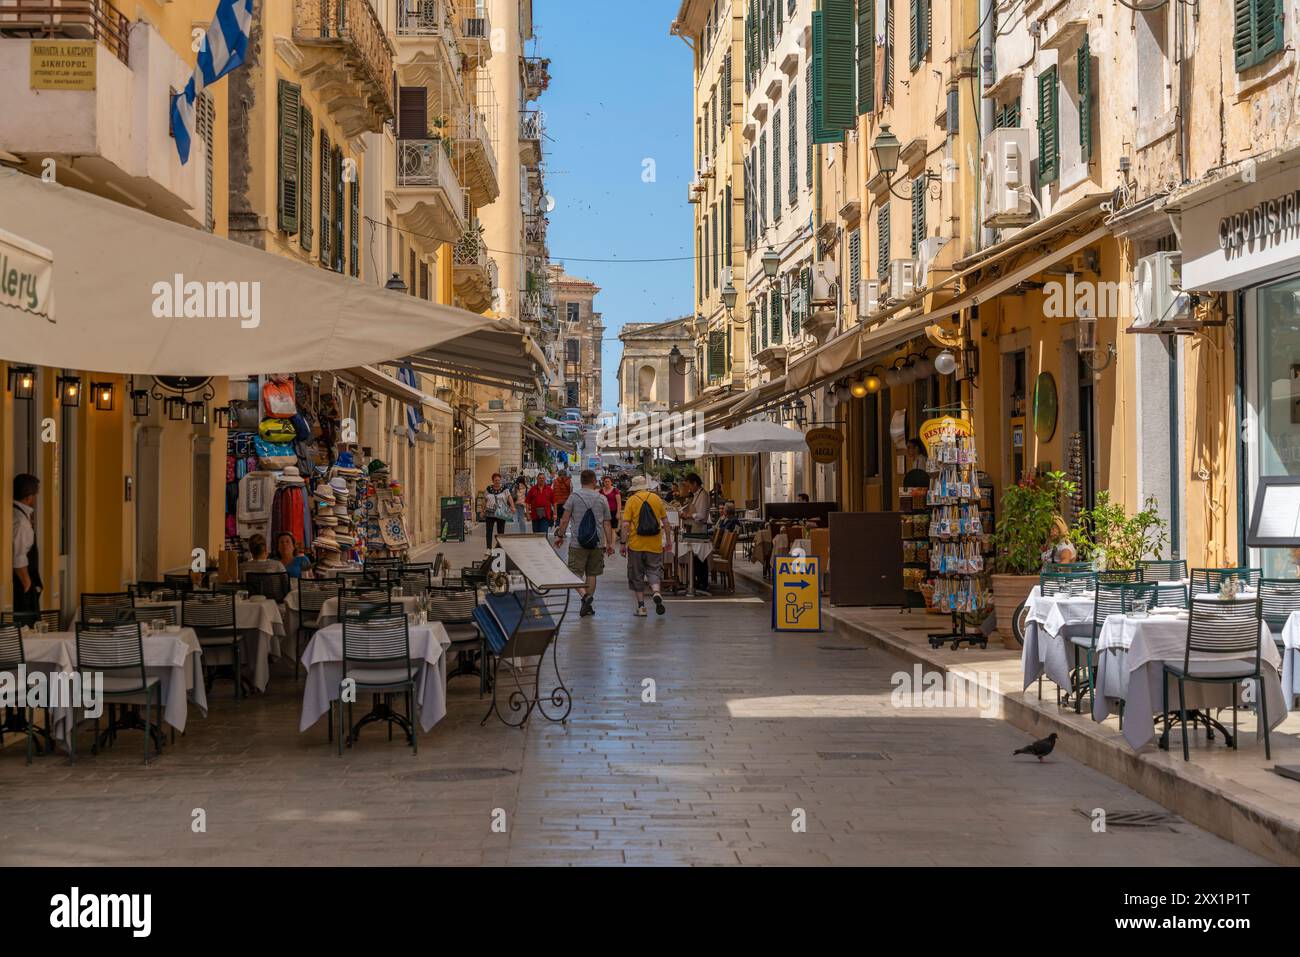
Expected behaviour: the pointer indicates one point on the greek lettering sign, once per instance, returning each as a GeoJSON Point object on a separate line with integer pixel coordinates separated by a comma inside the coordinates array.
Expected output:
{"type": "Point", "coordinates": [63, 65]}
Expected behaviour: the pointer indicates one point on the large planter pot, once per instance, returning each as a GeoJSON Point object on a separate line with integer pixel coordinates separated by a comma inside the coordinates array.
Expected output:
{"type": "Point", "coordinates": [1008, 592]}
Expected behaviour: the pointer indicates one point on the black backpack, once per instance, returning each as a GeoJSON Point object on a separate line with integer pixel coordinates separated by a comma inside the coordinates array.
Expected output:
{"type": "Point", "coordinates": [588, 530]}
{"type": "Point", "coordinates": [647, 523]}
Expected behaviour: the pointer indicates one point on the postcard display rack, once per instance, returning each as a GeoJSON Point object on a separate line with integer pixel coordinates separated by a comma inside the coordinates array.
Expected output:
{"type": "Point", "coordinates": [957, 539]}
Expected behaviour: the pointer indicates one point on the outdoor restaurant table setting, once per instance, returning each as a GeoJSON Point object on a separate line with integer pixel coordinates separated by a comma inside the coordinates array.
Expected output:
{"type": "Point", "coordinates": [173, 655]}
{"type": "Point", "coordinates": [1291, 656]}
{"type": "Point", "coordinates": [329, 612]}
{"type": "Point", "coordinates": [1051, 619]}
{"type": "Point", "coordinates": [323, 662]}
{"type": "Point", "coordinates": [1131, 653]}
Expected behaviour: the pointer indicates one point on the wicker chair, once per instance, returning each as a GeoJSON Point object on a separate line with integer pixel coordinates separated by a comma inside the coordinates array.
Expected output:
{"type": "Point", "coordinates": [721, 562]}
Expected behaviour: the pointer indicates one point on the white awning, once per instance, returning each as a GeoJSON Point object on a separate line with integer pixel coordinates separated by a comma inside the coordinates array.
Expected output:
{"type": "Point", "coordinates": [372, 378]}
{"type": "Point", "coordinates": [500, 354]}
{"type": "Point", "coordinates": [119, 271]}
{"type": "Point", "coordinates": [26, 276]}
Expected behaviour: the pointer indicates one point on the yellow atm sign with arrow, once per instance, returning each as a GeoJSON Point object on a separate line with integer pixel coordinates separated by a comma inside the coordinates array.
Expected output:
{"type": "Point", "coordinates": [796, 594]}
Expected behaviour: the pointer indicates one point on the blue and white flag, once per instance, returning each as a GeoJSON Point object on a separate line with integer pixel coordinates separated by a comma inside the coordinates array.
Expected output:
{"type": "Point", "coordinates": [414, 414]}
{"type": "Point", "coordinates": [224, 48]}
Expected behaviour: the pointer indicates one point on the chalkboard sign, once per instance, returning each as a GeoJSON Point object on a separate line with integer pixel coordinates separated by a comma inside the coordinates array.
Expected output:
{"type": "Point", "coordinates": [453, 519]}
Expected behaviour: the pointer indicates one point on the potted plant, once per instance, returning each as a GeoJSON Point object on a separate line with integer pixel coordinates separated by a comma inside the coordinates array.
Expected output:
{"type": "Point", "coordinates": [1029, 526]}
{"type": "Point", "coordinates": [1109, 537]}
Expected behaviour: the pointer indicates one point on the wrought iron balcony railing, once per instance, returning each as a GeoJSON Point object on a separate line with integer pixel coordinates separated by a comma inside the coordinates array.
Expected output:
{"type": "Point", "coordinates": [352, 27]}
{"type": "Point", "coordinates": [69, 19]}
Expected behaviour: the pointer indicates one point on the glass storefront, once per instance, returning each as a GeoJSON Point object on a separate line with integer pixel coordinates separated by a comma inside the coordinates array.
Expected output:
{"type": "Point", "coordinates": [1273, 383]}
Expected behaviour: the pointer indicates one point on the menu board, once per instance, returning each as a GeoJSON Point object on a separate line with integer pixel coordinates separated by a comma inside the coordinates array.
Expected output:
{"type": "Point", "coordinates": [538, 561]}
{"type": "Point", "coordinates": [453, 519]}
{"type": "Point", "coordinates": [1275, 522]}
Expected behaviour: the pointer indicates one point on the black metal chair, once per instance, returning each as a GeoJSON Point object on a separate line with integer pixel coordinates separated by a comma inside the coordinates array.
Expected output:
{"type": "Point", "coordinates": [439, 566]}
{"type": "Point", "coordinates": [13, 666]}
{"type": "Point", "coordinates": [367, 601]}
{"type": "Point", "coordinates": [1206, 581]}
{"type": "Point", "coordinates": [415, 581]}
{"type": "Point", "coordinates": [1062, 583]}
{"type": "Point", "coordinates": [212, 616]}
{"type": "Point", "coordinates": [1117, 576]}
{"type": "Point", "coordinates": [1113, 598]}
{"type": "Point", "coordinates": [271, 585]}
{"type": "Point", "coordinates": [181, 583]}
{"type": "Point", "coordinates": [312, 596]}
{"type": "Point", "coordinates": [377, 659]}
{"type": "Point", "coordinates": [1172, 570]}
{"type": "Point", "coordinates": [52, 617]}
{"type": "Point", "coordinates": [1278, 598]}
{"type": "Point", "coordinates": [147, 614]}
{"type": "Point", "coordinates": [383, 569]}
{"type": "Point", "coordinates": [454, 609]}
{"type": "Point", "coordinates": [1225, 630]}
{"type": "Point", "coordinates": [117, 653]}
{"type": "Point", "coordinates": [166, 591]}
{"type": "Point", "coordinates": [107, 607]}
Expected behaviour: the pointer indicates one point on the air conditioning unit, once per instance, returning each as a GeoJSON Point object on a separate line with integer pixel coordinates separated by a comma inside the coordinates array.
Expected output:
{"type": "Point", "coordinates": [926, 253]}
{"type": "Point", "coordinates": [825, 292]}
{"type": "Point", "coordinates": [868, 298]}
{"type": "Point", "coordinates": [1006, 155]}
{"type": "Point", "coordinates": [1158, 297]}
{"type": "Point", "coordinates": [902, 278]}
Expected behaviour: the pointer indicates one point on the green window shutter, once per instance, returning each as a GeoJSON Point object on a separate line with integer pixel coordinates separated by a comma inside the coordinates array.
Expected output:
{"type": "Point", "coordinates": [354, 224]}
{"type": "Point", "coordinates": [326, 192]}
{"type": "Point", "coordinates": [290, 106]}
{"type": "Point", "coordinates": [918, 213]}
{"type": "Point", "coordinates": [306, 227]}
{"type": "Point", "coordinates": [796, 315]}
{"type": "Point", "coordinates": [1085, 100]}
{"type": "Point", "coordinates": [1257, 30]}
{"type": "Point", "coordinates": [855, 263]}
{"type": "Point", "coordinates": [839, 107]}
{"type": "Point", "coordinates": [337, 175]}
{"type": "Point", "coordinates": [887, 74]}
{"type": "Point", "coordinates": [728, 214]}
{"type": "Point", "coordinates": [777, 323]}
{"type": "Point", "coordinates": [866, 56]}
{"type": "Point", "coordinates": [762, 179]}
{"type": "Point", "coordinates": [822, 133]}
{"type": "Point", "coordinates": [1009, 115]}
{"type": "Point", "coordinates": [882, 241]}
{"type": "Point", "coordinates": [914, 33]}
{"type": "Point", "coordinates": [753, 330]}
{"type": "Point", "coordinates": [776, 167]}
{"type": "Point", "coordinates": [792, 114]}
{"type": "Point", "coordinates": [699, 264]}
{"type": "Point", "coordinates": [766, 329]}
{"type": "Point", "coordinates": [717, 354]}
{"type": "Point", "coordinates": [1049, 145]}
{"type": "Point", "coordinates": [779, 10]}
{"type": "Point", "coordinates": [808, 120]}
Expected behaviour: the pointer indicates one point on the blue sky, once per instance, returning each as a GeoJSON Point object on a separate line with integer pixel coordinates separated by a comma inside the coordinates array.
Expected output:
{"type": "Point", "coordinates": [620, 94]}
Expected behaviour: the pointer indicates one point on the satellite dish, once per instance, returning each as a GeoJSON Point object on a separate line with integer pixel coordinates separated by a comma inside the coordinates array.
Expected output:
{"type": "Point", "coordinates": [549, 202]}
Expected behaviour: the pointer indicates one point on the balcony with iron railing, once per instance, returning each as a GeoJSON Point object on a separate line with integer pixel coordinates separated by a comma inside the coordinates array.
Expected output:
{"type": "Point", "coordinates": [96, 20]}
{"type": "Point", "coordinates": [428, 195]}
{"type": "Point", "coordinates": [475, 31]}
{"type": "Point", "coordinates": [473, 270]}
{"type": "Point", "coordinates": [537, 76]}
{"type": "Point", "coordinates": [476, 155]}
{"type": "Point", "coordinates": [535, 234]}
{"type": "Point", "coordinates": [532, 127]}
{"type": "Point", "coordinates": [348, 61]}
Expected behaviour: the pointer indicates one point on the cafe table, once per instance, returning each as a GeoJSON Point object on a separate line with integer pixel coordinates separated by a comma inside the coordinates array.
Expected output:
{"type": "Point", "coordinates": [329, 612]}
{"type": "Point", "coordinates": [323, 661]}
{"type": "Point", "coordinates": [1050, 622]}
{"type": "Point", "coordinates": [1291, 656]}
{"type": "Point", "coordinates": [173, 656]}
{"type": "Point", "coordinates": [1131, 653]}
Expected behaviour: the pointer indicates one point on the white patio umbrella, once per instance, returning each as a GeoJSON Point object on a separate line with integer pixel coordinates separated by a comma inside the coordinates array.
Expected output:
{"type": "Point", "coordinates": [747, 439]}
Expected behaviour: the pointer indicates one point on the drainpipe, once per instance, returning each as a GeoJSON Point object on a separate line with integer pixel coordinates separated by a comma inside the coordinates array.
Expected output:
{"type": "Point", "coordinates": [986, 104]}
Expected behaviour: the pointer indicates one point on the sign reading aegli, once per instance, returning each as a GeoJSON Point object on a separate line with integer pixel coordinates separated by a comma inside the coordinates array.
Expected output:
{"type": "Point", "coordinates": [824, 444]}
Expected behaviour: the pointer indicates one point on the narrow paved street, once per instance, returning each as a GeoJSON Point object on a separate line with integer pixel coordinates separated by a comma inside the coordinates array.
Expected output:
{"type": "Point", "coordinates": [747, 729]}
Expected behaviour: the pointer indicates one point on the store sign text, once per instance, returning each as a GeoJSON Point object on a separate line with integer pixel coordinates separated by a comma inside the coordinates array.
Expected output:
{"type": "Point", "coordinates": [1264, 221]}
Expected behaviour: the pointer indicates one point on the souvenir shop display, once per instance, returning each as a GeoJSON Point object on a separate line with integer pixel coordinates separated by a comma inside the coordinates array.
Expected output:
{"type": "Point", "coordinates": [958, 530]}
{"type": "Point", "coordinates": [916, 543]}
{"type": "Point", "coordinates": [384, 515]}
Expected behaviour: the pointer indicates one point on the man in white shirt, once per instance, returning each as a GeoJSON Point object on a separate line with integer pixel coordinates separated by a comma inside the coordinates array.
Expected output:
{"type": "Point", "coordinates": [27, 557]}
{"type": "Point", "coordinates": [697, 519]}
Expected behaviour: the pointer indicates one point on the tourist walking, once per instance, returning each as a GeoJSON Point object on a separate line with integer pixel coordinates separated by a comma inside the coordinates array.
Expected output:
{"type": "Point", "coordinates": [613, 496]}
{"type": "Point", "coordinates": [541, 502]}
{"type": "Point", "coordinates": [643, 528]}
{"type": "Point", "coordinates": [587, 513]}
{"type": "Point", "coordinates": [498, 507]}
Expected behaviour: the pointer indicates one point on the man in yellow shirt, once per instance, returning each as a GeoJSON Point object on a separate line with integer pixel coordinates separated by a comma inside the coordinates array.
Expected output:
{"type": "Point", "coordinates": [645, 534]}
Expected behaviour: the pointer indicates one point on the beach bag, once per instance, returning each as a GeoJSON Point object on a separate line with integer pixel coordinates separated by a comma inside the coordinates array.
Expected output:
{"type": "Point", "coordinates": [278, 431]}
{"type": "Point", "coordinates": [647, 523]}
{"type": "Point", "coordinates": [588, 531]}
{"type": "Point", "coordinates": [273, 455]}
{"type": "Point", "coordinates": [278, 400]}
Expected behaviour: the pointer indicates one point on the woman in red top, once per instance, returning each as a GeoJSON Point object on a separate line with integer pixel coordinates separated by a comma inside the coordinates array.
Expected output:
{"type": "Point", "coordinates": [541, 502]}
{"type": "Point", "coordinates": [610, 491]}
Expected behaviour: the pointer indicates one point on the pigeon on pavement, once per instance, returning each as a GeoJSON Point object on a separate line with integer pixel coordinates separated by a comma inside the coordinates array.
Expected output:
{"type": "Point", "coordinates": [1039, 749]}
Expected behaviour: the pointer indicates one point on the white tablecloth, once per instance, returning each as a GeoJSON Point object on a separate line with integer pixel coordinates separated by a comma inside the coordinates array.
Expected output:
{"type": "Point", "coordinates": [329, 612]}
{"type": "Point", "coordinates": [323, 662]}
{"type": "Point", "coordinates": [1131, 653]}
{"type": "Point", "coordinates": [1051, 620]}
{"type": "Point", "coordinates": [701, 550]}
{"type": "Point", "coordinates": [176, 658]}
{"type": "Point", "coordinates": [1291, 656]}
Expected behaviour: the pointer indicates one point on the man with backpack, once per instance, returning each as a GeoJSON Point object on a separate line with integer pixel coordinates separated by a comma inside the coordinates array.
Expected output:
{"type": "Point", "coordinates": [588, 512]}
{"type": "Point", "coordinates": [644, 539]}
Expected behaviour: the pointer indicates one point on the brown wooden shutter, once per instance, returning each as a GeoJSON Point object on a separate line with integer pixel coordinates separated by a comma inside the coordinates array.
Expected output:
{"type": "Point", "coordinates": [413, 113]}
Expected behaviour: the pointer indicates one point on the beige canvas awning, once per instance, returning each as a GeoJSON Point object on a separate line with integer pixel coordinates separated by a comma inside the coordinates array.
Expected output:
{"type": "Point", "coordinates": [140, 294]}
{"type": "Point", "coordinates": [826, 360]}
{"type": "Point", "coordinates": [546, 438]}
{"type": "Point", "coordinates": [500, 354]}
{"type": "Point", "coordinates": [372, 378]}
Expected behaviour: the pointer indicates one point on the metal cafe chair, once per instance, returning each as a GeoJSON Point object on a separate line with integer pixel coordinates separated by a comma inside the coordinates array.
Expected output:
{"type": "Point", "coordinates": [1061, 583]}
{"type": "Point", "coordinates": [1208, 580]}
{"type": "Point", "coordinates": [102, 607]}
{"type": "Point", "coordinates": [1174, 570]}
{"type": "Point", "coordinates": [312, 596]}
{"type": "Point", "coordinates": [1225, 630]}
{"type": "Point", "coordinates": [117, 652]}
{"type": "Point", "coordinates": [415, 581]}
{"type": "Point", "coordinates": [272, 585]}
{"type": "Point", "coordinates": [365, 602]}
{"type": "Point", "coordinates": [12, 662]}
{"type": "Point", "coordinates": [1278, 598]}
{"type": "Point", "coordinates": [377, 658]}
{"type": "Point", "coordinates": [383, 569]}
{"type": "Point", "coordinates": [454, 609]}
{"type": "Point", "coordinates": [1170, 595]}
{"type": "Point", "coordinates": [1113, 598]}
{"type": "Point", "coordinates": [1068, 568]}
{"type": "Point", "coordinates": [1116, 576]}
{"type": "Point", "coordinates": [150, 613]}
{"type": "Point", "coordinates": [167, 591]}
{"type": "Point", "coordinates": [52, 617]}
{"type": "Point", "coordinates": [179, 582]}
{"type": "Point", "coordinates": [212, 616]}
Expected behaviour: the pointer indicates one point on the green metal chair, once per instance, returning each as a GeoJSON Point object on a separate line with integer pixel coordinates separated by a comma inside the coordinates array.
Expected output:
{"type": "Point", "coordinates": [1174, 570]}
{"type": "Point", "coordinates": [1278, 598]}
{"type": "Point", "coordinates": [1171, 595]}
{"type": "Point", "coordinates": [1113, 598]}
{"type": "Point", "coordinates": [1206, 581]}
{"type": "Point", "coordinates": [1227, 630]}
{"type": "Point", "coordinates": [1066, 568]}
{"type": "Point", "coordinates": [1058, 583]}
{"type": "Point", "coordinates": [1119, 576]}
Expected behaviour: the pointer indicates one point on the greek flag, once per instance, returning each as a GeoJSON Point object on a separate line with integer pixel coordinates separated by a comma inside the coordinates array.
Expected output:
{"type": "Point", "coordinates": [414, 415]}
{"type": "Point", "coordinates": [223, 49]}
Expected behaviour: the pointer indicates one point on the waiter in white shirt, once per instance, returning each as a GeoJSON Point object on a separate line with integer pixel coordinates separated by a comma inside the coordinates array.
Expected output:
{"type": "Point", "coordinates": [27, 557]}
{"type": "Point", "coordinates": [697, 520]}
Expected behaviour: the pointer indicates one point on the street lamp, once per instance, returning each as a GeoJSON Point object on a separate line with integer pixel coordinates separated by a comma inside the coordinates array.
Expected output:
{"type": "Point", "coordinates": [678, 362]}
{"type": "Point", "coordinates": [729, 297]}
{"type": "Point", "coordinates": [886, 149]}
{"type": "Point", "coordinates": [395, 284]}
{"type": "Point", "coordinates": [771, 263]}
{"type": "Point", "coordinates": [945, 363]}
{"type": "Point", "coordinates": [22, 381]}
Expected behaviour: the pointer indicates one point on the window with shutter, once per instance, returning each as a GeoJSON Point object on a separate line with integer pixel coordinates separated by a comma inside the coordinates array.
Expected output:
{"type": "Point", "coordinates": [808, 123]}
{"type": "Point", "coordinates": [919, 37]}
{"type": "Point", "coordinates": [751, 217]}
{"type": "Point", "coordinates": [797, 313]}
{"type": "Point", "coordinates": [413, 113]}
{"type": "Point", "coordinates": [336, 175]}
{"type": "Point", "coordinates": [778, 8]}
{"type": "Point", "coordinates": [767, 329]}
{"type": "Point", "coordinates": [855, 263]}
{"type": "Point", "coordinates": [712, 278]}
{"type": "Point", "coordinates": [882, 242]}
{"type": "Point", "coordinates": [290, 98]}
{"type": "Point", "coordinates": [887, 73]}
{"type": "Point", "coordinates": [1009, 115]}
{"type": "Point", "coordinates": [1085, 100]}
{"type": "Point", "coordinates": [326, 204]}
{"type": "Point", "coordinates": [699, 265]}
{"type": "Point", "coordinates": [1257, 31]}
{"type": "Point", "coordinates": [776, 167]}
{"type": "Point", "coordinates": [753, 330]}
{"type": "Point", "coordinates": [1049, 146]}
{"type": "Point", "coordinates": [866, 56]}
{"type": "Point", "coordinates": [777, 318]}
{"type": "Point", "coordinates": [207, 120]}
{"type": "Point", "coordinates": [717, 354]}
{"type": "Point", "coordinates": [918, 213]}
{"type": "Point", "coordinates": [307, 228]}
{"type": "Point", "coordinates": [728, 215]}
{"type": "Point", "coordinates": [727, 95]}
{"type": "Point", "coordinates": [792, 112]}
{"type": "Point", "coordinates": [839, 108]}
{"type": "Point", "coordinates": [822, 133]}
{"type": "Point", "coordinates": [762, 180]}
{"type": "Point", "coordinates": [354, 223]}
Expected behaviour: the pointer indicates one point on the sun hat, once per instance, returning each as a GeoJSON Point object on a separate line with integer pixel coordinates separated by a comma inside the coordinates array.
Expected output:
{"type": "Point", "coordinates": [324, 493]}
{"type": "Point", "coordinates": [291, 476]}
{"type": "Point", "coordinates": [340, 485]}
{"type": "Point", "coordinates": [326, 540]}
{"type": "Point", "coordinates": [639, 484]}
{"type": "Point", "coordinates": [325, 518]}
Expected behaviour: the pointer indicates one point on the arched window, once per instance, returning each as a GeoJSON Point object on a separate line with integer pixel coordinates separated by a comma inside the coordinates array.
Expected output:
{"type": "Point", "coordinates": [645, 385]}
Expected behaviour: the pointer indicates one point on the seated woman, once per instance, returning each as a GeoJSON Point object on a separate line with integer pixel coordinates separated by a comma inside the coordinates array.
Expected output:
{"type": "Point", "coordinates": [260, 562]}
{"type": "Point", "coordinates": [295, 563]}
